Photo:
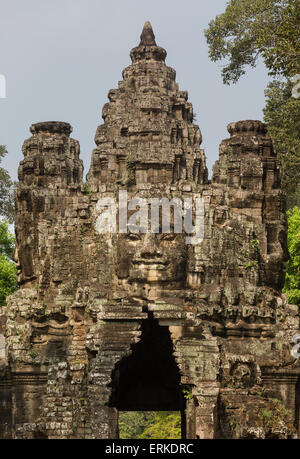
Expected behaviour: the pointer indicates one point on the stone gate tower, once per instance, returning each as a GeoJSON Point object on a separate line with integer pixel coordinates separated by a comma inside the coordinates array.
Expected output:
{"type": "Point", "coordinates": [110, 321]}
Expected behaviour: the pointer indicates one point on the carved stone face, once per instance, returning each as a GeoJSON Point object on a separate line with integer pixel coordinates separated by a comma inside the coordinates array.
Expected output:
{"type": "Point", "coordinates": [152, 258]}
{"type": "Point", "coordinates": [242, 375]}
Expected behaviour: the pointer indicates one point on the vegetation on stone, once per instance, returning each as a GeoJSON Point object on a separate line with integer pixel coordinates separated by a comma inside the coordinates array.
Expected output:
{"type": "Point", "coordinates": [274, 415]}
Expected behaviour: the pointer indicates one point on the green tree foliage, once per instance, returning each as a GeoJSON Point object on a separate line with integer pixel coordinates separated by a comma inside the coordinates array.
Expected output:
{"type": "Point", "coordinates": [6, 190]}
{"type": "Point", "coordinates": [8, 270]}
{"type": "Point", "coordinates": [292, 280]}
{"type": "Point", "coordinates": [132, 423]}
{"type": "Point", "coordinates": [165, 425]}
{"type": "Point", "coordinates": [247, 30]}
{"type": "Point", "coordinates": [252, 28]}
{"type": "Point", "coordinates": [150, 424]}
{"type": "Point", "coordinates": [7, 240]}
{"type": "Point", "coordinates": [8, 278]}
{"type": "Point", "coordinates": [282, 115]}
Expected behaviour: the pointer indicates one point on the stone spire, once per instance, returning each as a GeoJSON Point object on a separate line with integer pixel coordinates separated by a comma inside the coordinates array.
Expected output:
{"type": "Point", "coordinates": [148, 124]}
{"type": "Point", "coordinates": [147, 36]}
{"type": "Point", "coordinates": [147, 48]}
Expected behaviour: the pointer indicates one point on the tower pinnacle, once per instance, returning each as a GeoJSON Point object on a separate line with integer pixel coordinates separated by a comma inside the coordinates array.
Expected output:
{"type": "Point", "coordinates": [147, 36]}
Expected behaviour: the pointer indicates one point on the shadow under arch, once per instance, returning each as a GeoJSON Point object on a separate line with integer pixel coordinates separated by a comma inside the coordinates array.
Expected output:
{"type": "Point", "coordinates": [149, 379]}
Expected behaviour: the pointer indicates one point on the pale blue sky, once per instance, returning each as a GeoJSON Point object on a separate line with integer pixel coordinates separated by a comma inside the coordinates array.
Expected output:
{"type": "Point", "coordinates": [61, 57]}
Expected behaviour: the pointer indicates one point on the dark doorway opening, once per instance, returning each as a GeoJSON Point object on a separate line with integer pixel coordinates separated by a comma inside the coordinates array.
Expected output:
{"type": "Point", "coordinates": [149, 379]}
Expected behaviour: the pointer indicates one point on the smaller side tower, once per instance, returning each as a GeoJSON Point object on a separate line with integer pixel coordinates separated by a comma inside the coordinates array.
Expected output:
{"type": "Point", "coordinates": [249, 169]}
{"type": "Point", "coordinates": [50, 171]}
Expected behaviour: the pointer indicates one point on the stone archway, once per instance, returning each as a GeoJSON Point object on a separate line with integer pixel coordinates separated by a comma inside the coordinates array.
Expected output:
{"type": "Point", "coordinates": [149, 379]}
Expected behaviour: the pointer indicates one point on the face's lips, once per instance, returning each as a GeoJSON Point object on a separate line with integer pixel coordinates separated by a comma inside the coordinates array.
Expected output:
{"type": "Point", "coordinates": [147, 265]}
{"type": "Point", "coordinates": [150, 262]}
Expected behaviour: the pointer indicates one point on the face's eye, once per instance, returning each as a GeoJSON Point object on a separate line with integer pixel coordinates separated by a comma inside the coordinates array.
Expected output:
{"type": "Point", "coordinates": [133, 237]}
{"type": "Point", "coordinates": [167, 236]}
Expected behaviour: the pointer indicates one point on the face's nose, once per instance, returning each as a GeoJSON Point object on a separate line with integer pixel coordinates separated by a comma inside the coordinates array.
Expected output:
{"type": "Point", "coordinates": [150, 248]}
